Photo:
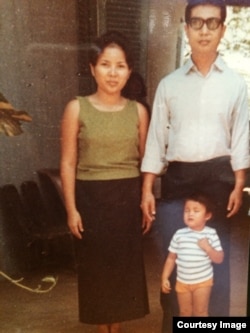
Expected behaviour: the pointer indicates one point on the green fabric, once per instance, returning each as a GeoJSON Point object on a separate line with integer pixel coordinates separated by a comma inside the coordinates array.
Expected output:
{"type": "Point", "coordinates": [108, 142]}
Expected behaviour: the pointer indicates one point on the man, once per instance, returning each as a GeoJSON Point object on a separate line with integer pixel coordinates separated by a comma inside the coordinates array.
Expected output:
{"type": "Point", "coordinates": [199, 136]}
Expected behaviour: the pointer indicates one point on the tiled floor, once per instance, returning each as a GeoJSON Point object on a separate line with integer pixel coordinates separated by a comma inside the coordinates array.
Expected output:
{"type": "Point", "coordinates": [56, 311]}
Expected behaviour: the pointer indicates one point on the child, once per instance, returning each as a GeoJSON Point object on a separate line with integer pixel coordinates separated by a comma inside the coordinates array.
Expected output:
{"type": "Point", "coordinates": [193, 249]}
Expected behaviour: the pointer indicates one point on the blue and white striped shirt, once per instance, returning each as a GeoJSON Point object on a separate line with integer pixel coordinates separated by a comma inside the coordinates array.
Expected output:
{"type": "Point", "coordinates": [193, 263]}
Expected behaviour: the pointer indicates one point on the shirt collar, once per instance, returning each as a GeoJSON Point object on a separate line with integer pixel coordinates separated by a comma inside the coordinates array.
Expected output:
{"type": "Point", "coordinates": [219, 64]}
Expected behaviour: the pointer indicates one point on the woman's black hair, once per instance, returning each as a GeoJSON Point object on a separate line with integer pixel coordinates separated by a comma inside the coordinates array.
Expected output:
{"type": "Point", "coordinates": [193, 3]}
{"type": "Point", "coordinates": [107, 39]}
{"type": "Point", "coordinates": [136, 89]}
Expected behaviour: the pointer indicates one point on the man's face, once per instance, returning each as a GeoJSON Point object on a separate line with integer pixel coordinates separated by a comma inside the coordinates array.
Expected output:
{"type": "Point", "coordinates": [204, 40]}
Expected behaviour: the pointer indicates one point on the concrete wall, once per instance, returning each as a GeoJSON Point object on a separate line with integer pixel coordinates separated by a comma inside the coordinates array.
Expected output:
{"type": "Point", "coordinates": [38, 74]}
{"type": "Point", "coordinates": [164, 32]}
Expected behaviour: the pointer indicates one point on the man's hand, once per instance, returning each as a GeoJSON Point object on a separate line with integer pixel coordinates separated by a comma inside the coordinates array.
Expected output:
{"type": "Point", "coordinates": [235, 198]}
{"type": "Point", "coordinates": [146, 225]}
{"type": "Point", "coordinates": [148, 205]}
{"type": "Point", "coordinates": [148, 208]}
{"type": "Point", "coordinates": [234, 202]}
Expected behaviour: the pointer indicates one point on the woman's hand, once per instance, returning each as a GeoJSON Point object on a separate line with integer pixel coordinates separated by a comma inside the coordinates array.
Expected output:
{"type": "Point", "coordinates": [75, 225]}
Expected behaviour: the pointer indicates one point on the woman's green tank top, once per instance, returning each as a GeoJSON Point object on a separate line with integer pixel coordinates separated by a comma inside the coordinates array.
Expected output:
{"type": "Point", "coordinates": [108, 142]}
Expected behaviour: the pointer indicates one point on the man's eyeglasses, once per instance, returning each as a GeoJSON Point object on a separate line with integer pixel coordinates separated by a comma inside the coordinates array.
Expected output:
{"type": "Point", "coordinates": [197, 23]}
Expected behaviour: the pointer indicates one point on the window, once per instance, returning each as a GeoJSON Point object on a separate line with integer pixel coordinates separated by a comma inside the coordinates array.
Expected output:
{"type": "Point", "coordinates": [98, 16]}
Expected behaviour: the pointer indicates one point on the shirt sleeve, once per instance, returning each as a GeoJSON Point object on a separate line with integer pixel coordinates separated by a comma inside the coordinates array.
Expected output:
{"type": "Point", "coordinates": [215, 242]}
{"type": "Point", "coordinates": [173, 246]}
{"type": "Point", "coordinates": [240, 130]}
{"type": "Point", "coordinates": [154, 160]}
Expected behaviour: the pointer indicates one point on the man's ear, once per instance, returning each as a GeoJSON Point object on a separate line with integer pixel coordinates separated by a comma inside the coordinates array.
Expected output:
{"type": "Point", "coordinates": [224, 27]}
{"type": "Point", "coordinates": [185, 27]}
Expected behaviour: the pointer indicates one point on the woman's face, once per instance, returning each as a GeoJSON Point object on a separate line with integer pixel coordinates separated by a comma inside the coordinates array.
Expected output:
{"type": "Point", "coordinates": [111, 71]}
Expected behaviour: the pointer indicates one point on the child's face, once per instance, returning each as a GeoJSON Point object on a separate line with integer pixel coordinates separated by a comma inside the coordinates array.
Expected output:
{"type": "Point", "coordinates": [195, 215]}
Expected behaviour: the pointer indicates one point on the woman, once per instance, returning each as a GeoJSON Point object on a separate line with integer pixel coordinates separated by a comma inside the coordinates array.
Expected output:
{"type": "Point", "coordinates": [103, 139]}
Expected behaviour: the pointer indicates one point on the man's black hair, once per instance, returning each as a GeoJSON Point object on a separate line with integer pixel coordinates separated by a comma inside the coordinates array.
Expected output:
{"type": "Point", "coordinates": [193, 3]}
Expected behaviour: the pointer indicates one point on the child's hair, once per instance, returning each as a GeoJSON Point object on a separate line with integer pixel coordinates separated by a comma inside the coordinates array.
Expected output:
{"type": "Point", "coordinates": [108, 39]}
{"type": "Point", "coordinates": [202, 199]}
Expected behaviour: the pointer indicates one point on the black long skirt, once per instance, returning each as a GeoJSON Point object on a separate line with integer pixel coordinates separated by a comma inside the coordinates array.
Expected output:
{"type": "Point", "coordinates": [111, 275]}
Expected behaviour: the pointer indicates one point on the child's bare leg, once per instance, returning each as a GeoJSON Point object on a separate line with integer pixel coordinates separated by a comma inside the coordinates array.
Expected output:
{"type": "Point", "coordinates": [185, 304]}
{"type": "Point", "coordinates": [201, 298]}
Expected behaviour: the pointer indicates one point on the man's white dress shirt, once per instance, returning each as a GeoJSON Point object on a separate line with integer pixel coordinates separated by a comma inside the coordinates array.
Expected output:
{"type": "Point", "coordinates": [196, 118]}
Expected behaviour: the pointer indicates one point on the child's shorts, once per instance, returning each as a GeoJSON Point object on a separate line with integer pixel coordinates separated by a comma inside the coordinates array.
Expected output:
{"type": "Point", "coordinates": [181, 287]}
